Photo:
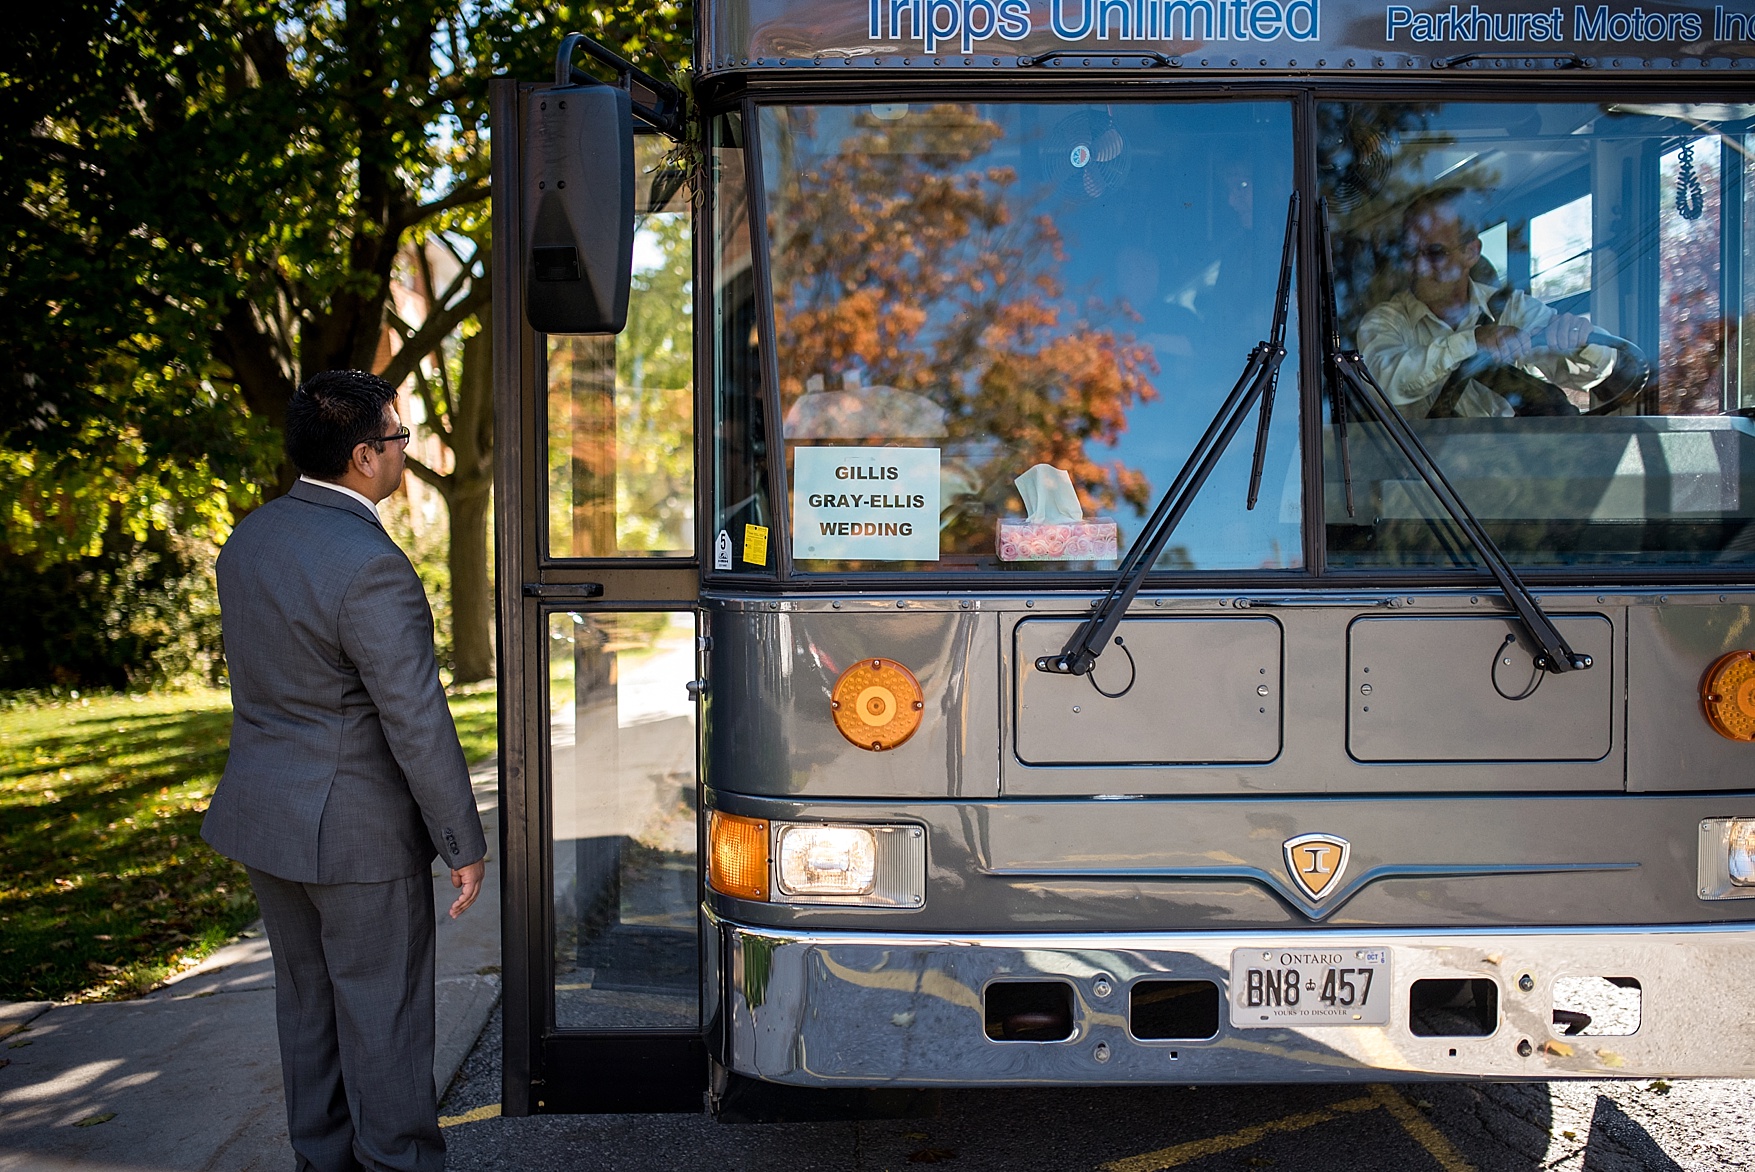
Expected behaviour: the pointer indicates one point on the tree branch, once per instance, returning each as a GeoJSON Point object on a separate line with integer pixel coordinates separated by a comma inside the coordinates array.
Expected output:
{"type": "Point", "coordinates": [438, 424]}
{"type": "Point", "coordinates": [433, 331]}
{"type": "Point", "coordinates": [427, 476]}
{"type": "Point", "coordinates": [468, 194]}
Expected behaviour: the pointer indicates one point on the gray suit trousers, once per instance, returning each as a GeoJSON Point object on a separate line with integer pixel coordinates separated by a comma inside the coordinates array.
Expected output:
{"type": "Point", "coordinates": [353, 969]}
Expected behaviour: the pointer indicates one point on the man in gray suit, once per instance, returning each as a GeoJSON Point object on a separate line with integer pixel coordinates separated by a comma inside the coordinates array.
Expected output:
{"type": "Point", "coordinates": [345, 779]}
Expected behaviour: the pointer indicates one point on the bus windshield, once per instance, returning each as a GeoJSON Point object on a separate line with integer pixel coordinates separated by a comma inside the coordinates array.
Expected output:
{"type": "Point", "coordinates": [1554, 295]}
{"type": "Point", "coordinates": [1000, 327]}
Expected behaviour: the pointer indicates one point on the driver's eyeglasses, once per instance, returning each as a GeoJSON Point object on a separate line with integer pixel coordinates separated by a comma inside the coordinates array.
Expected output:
{"type": "Point", "coordinates": [393, 438]}
{"type": "Point", "coordinates": [1435, 253]}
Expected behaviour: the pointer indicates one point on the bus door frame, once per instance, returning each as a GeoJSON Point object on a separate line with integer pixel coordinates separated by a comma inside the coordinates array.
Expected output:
{"type": "Point", "coordinates": [544, 1069]}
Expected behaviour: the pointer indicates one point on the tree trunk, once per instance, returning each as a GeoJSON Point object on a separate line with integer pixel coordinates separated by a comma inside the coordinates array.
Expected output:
{"type": "Point", "coordinates": [472, 610]}
{"type": "Point", "coordinates": [471, 485]}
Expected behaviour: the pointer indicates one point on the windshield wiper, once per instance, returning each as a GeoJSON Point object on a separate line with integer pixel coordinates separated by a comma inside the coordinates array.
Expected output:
{"type": "Point", "coordinates": [1348, 368]}
{"type": "Point", "coordinates": [1260, 375]}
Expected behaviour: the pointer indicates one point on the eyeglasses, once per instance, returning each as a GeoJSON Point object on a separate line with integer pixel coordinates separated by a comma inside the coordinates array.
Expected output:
{"type": "Point", "coordinates": [386, 439]}
{"type": "Point", "coordinates": [1436, 253]}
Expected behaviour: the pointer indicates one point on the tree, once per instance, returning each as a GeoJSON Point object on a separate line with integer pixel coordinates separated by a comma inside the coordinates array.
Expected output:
{"type": "Point", "coordinates": [211, 199]}
{"type": "Point", "coordinates": [903, 259]}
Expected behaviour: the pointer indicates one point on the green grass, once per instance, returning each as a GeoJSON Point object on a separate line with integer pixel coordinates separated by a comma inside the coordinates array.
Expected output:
{"type": "Point", "coordinates": [106, 887]}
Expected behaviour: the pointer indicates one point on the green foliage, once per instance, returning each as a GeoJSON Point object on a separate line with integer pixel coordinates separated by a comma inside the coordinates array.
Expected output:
{"type": "Point", "coordinates": [108, 888]}
{"type": "Point", "coordinates": [203, 202]}
{"type": "Point", "coordinates": [136, 612]}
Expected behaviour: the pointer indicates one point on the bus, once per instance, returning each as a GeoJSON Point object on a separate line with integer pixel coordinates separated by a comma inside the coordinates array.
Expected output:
{"type": "Point", "coordinates": [1063, 542]}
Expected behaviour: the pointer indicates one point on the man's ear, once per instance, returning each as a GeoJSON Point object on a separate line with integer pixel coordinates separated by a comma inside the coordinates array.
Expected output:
{"type": "Point", "coordinates": [1473, 251]}
{"type": "Point", "coordinates": [363, 459]}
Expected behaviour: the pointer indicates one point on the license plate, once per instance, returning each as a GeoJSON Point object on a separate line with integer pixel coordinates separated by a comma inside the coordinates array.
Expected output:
{"type": "Point", "coordinates": [1309, 986]}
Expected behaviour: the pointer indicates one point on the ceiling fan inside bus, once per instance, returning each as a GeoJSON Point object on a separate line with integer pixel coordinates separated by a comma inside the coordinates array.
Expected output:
{"type": "Point", "coordinates": [1085, 154]}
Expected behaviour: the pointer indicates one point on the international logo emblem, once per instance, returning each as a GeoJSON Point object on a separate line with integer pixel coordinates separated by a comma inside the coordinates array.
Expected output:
{"type": "Point", "coordinates": [1316, 862]}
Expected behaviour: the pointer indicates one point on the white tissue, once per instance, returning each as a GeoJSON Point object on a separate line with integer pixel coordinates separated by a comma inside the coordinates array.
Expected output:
{"type": "Point", "coordinates": [1049, 497]}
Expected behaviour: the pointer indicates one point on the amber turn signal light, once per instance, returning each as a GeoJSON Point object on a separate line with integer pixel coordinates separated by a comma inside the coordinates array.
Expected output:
{"type": "Point", "coordinates": [1727, 694]}
{"type": "Point", "coordinates": [877, 704]}
{"type": "Point", "coordinates": [737, 855]}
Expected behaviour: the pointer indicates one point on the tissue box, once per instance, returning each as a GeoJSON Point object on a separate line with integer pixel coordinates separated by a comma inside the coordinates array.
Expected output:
{"type": "Point", "coordinates": [1056, 541]}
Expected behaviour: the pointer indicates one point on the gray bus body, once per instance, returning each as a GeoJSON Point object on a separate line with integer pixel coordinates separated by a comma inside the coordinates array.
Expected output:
{"type": "Point", "coordinates": [1073, 879]}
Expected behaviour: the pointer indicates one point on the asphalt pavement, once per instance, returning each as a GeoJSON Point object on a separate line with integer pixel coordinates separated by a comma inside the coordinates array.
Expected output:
{"type": "Point", "coordinates": [188, 1077]}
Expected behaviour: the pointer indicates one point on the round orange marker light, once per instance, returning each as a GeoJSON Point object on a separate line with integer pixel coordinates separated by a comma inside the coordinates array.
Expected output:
{"type": "Point", "coordinates": [1727, 694]}
{"type": "Point", "coordinates": [877, 704]}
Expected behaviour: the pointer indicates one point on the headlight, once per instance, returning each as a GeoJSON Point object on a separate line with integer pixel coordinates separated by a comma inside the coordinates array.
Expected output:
{"type": "Point", "coordinates": [1740, 853]}
{"type": "Point", "coordinates": [1727, 858]}
{"type": "Point", "coordinates": [827, 860]}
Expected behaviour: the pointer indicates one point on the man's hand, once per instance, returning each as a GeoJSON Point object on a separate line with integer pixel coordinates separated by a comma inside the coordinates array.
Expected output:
{"type": "Point", "coordinates": [1503, 344]}
{"type": "Point", "coordinates": [469, 879]}
{"type": "Point", "coordinates": [1568, 332]}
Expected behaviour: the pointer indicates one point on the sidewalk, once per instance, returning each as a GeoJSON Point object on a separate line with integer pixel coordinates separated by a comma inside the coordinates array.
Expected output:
{"type": "Point", "coordinates": [188, 1077]}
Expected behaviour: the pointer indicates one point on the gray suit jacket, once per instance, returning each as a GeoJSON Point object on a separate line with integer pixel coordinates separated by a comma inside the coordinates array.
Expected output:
{"type": "Point", "coordinates": [344, 766]}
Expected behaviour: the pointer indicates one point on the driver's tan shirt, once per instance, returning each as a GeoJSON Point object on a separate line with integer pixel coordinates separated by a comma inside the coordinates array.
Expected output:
{"type": "Point", "coordinates": [1411, 351]}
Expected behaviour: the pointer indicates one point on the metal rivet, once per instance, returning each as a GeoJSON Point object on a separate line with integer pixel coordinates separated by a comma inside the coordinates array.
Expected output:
{"type": "Point", "coordinates": [901, 604]}
{"type": "Point", "coordinates": [1261, 690]}
{"type": "Point", "coordinates": [1599, 598]}
{"type": "Point", "coordinates": [1101, 1053]}
{"type": "Point", "coordinates": [1029, 602]}
{"type": "Point", "coordinates": [1365, 689]}
{"type": "Point", "coordinates": [1663, 598]}
{"type": "Point", "coordinates": [1474, 600]}
{"type": "Point", "coordinates": [1101, 987]}
{"type": "Point", "coordinates": [1526, 982]}
{"type": "Point", "coordinates": [1524, 1048]}
{"type": "Point", "coordinates": [1075, 707]}
{"type": "Point", "coordinates": [836, 604]}
{"type": "Point", "coordinates": [964, 604]}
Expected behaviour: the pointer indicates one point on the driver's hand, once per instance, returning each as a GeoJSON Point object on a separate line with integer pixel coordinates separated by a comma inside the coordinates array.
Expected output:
{"type": "Point", "coordinates": [1503, 344]}
{"type": "Point", "coordinates": [1568, 332]}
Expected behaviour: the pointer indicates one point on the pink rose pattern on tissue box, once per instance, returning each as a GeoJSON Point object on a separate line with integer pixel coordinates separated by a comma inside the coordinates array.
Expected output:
{"type": "Point", "coordinates": [1068, 541]}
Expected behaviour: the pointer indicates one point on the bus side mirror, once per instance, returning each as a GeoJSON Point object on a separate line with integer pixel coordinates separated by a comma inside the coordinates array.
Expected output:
{"type": "Point", "coordinates": [578, 208]}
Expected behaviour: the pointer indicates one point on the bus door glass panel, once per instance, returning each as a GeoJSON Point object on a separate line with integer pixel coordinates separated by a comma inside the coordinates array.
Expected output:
{"type": "Point", "coordinates": [622, 753]}
{"type": "Point", "coordinates": [742, 519]}
{"type": "Point", "coordinates": [1552, 294]}
{"type": "Point", "coordinates": [966, 294]}
{"type": "Point", "coordinates": [621, 475]}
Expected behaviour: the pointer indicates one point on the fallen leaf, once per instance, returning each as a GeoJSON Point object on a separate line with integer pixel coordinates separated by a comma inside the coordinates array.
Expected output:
{"type": "Point", "coordinates": [1660, 1087]}
{"type": "Point", "coordinates": [23, 1042]}
{"type": "Point", "coordinates": [94, 1120]}
{"type": "Point", "coordinates": [1569, 1135]}
{"type": "Point", "coordinates": [916, 1136]}
{"type": "Point", "coordinates": [1423, 1104]}
{"type": "Point", "coordinates": [931, 1156]}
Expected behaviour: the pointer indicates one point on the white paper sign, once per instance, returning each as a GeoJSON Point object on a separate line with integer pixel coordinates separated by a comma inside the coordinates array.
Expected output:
{"type": "Point", "coordinates": [865, 504]}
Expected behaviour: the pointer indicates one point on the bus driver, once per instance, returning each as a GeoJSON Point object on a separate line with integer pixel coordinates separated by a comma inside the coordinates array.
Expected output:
{"type": "Point", "coordinates": [1449, 345]}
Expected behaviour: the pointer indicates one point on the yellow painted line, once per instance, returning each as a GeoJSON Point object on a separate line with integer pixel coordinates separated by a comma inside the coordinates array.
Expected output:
{"type": "Point", "coordinates": [491, 1111]}
{"type": "Point", "coordinates": [1421, 1128]}
{"type": "Point", "coordinates": [1185, 1153]}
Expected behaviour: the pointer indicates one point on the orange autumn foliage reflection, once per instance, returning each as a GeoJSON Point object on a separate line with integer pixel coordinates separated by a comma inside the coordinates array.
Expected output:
{"type": "Point", "coordinates": [902, 256]}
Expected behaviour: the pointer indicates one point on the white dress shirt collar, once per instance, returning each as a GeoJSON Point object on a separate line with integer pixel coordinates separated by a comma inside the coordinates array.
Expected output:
{"type": "Point", "coordinates": [342, 488]}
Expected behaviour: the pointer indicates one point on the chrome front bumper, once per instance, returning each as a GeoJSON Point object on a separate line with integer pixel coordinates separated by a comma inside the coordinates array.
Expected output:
{"type": "Point", "coordinates": [866, 1009]}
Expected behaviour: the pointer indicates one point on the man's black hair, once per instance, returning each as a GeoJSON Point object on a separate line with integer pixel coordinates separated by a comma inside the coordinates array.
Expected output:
{"type": "Point", "coordinates": [331, 414]}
